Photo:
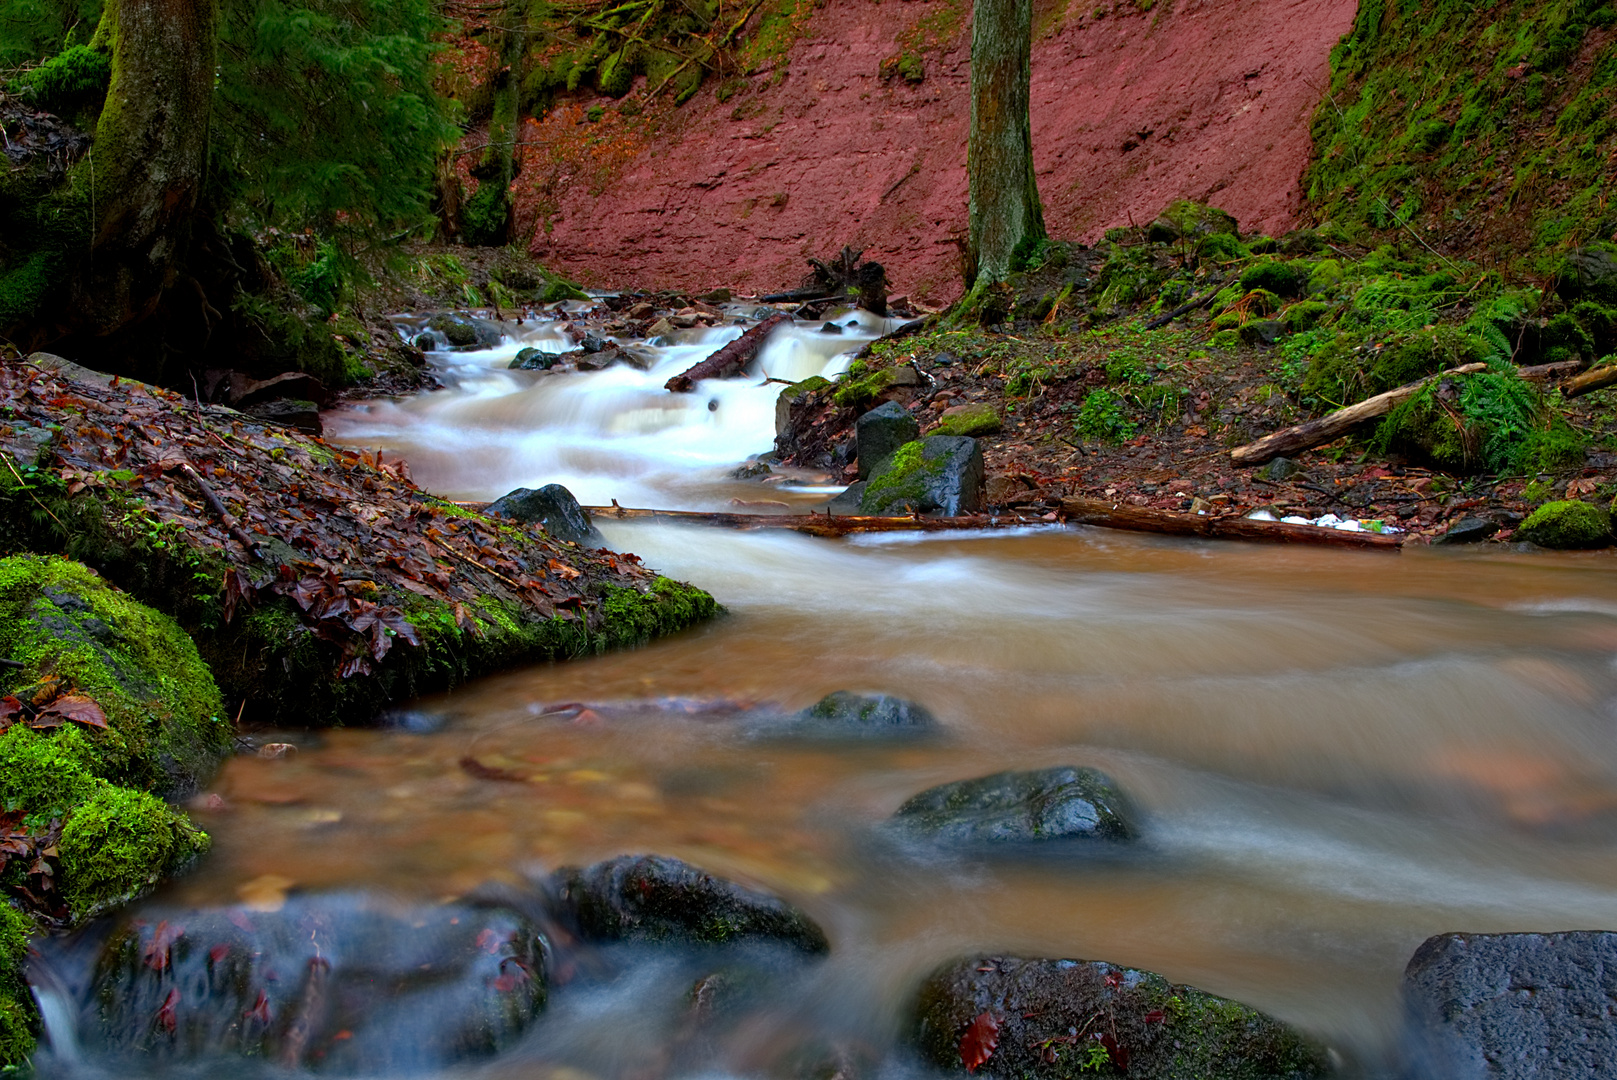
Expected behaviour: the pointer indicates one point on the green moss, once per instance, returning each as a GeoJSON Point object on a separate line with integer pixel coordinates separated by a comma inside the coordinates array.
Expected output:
{"type": "Point", "coordinates": [807, 386]}
{"type": "Point", "coordinates": [1325, 277]}
{"type": "Point", "coordinates": [980, 418]}
{"type": "Point", "coordinates": [557, 288]}
{"type": "Point", "coordinates": [861, 392]}
{"type": "Point", "coordinates": [121, 843]}
{"type": "Point", "coordinates": [1304, 315]}
{"type": "Point", "coordinates": [45, 776]}
{"type": "Point", "coordinates": [66, 81]}
{"type": "Point", "coordinates": [1567, 524]}
{"type": "Point", "coordinates": [18, 1019]}
{"type": "Point", "coordinates": [1281, 278]}
{"type": "Point", "coordinates": [630, 617]}
{"type": "Point", "coordinates": [166, 722]}
{"type": "Point", "coordinates": [1225, 339]}
{"type": "Point", "coordinates": [903, 478]}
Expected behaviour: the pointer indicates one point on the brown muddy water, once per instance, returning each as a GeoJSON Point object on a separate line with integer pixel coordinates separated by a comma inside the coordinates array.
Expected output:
{"type": "Point", "coordinates": [1334, 755]}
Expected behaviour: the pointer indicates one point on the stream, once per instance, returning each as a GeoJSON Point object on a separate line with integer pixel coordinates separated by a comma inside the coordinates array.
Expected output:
{"type": "Point", "coordinates": [1333, 755]}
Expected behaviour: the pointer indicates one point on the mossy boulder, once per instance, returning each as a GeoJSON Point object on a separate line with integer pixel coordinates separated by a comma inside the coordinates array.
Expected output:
{"type": "Point", "coordinates": [658, 899]}
{"type": "Point", "coordinates": [880, 432]}
{"type": "Point", "coordinates": [1282, 278]}
{"type": "Point", "coordinates": [1567, 524]}
{"type": "Point", "coordinates": [1186, 219]}
{"type": "Point", "coordinates": [1304, 315]}
{"type": "Point", "coordinates": [976, 418]}
{"type": "Point", "coordinates": [865, 389]}
{"type": "Point", "coordinates": [1052, 1016]}
{"type": "Point", "coordinates": [1061, 803]}
{"type": "Point", "coordinates": [19, 1020]}
{"type": "Point", "coordinates": [1589, 272]}
{"type": "Point", "coordinates": [846, 715]}
{"type": "Point", "coordinates": [166, 725]}
{"type": "Point", "coordinates": [1325, 277]}
{"type": "Point", "coordinates": [941, 473]}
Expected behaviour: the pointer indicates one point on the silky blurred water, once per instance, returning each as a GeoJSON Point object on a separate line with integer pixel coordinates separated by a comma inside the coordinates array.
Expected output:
{"type": "Point", "coordinates": [1334, 755]}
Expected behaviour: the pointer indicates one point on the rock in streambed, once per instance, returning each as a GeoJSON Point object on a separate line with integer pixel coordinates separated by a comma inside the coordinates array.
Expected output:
{"type": "Point", "coordinates": [1508, 1006]}
{"type": "Point", "coordinates": [553, 508]}
{"type": "Point", "coordinates": [344, 983]}
{"type": "Point", "coordinates": [1064, 1019]}
{"type": "Point", "coordinates": [1062, 803]}
{"type": "Point", "coordinates": [652, 898]}
{"type": "Point", "coordinates": [845, 715]}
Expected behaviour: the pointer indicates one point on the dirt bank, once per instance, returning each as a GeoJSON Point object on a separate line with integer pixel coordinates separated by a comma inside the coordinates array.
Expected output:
{"type": "Point", "coordinates": [1131, 109]}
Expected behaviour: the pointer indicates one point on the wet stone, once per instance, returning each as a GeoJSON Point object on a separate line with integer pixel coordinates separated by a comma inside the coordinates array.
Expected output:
{"type": "Point", "coordinates": [651, 898]}
{"type": "Point", "coordinates": [1280, 468]}
{"type": "Point", "coordinates": [752, 470]}
{"type": "Point", "coordinates": [1468, 530]}
{"type": "Point", "coordinates": [846, 715]}
{"type": "Point", "coordinates": [531, 359]}
{"type": "Point", "coordinates": [943, 474]}
{"type": "Point", "coordinates": [1508, 1006]}
{"type": "Point", "coordinates": [1066, 1019]}
{"type": "Point", "coordinates": [551, 507]}
{"type": "Point", "coordinates": [881, 431]}
{"type": "Point", "coordinates": [344, 983]}
{"type": "Point", "coordinates": [1062, 803]}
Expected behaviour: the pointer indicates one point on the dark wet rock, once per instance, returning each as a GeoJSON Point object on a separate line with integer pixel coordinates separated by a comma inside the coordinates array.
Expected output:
{"type": "Point", "coordinates": [881, 431]}
{"type": "Point", "coordinates": [846, 715]}
{"type": "Point", "coordinates": [1507, 1006]}
{"type": "Point", "coordinates": [654, 898]}
{"type": "Point", "coordinates": [594, 343]}
{"type": "Point", "coordinates": [846, 504]}
{"type": "Point", "coordinates": [346, 983]}
{"type": "Point", "coordinates": [1468, 530]}
{"type": "Point", "coordinates": [1280, 468]}
{"type": "Point", "coordinates": [1062, 803]}
{"type": "Point", "coordinates": [942, 473]}
{"type": "Point", "coordinates": [752, 470]}
{"type": "Point", "coordinates": [830, 328]}
{"type": "Point", "coordinates": [551, 507]}
{"type": "Point", "coordinates": [1050, 1013]}
{"type": "Point", "coordinates": [465, 331]}
{"type": "Point", "coordinates": [304, 416]}
{"type": "Point", "coordinates": [716, 296]}
{"type": "Point", "coordinates": [531, 359]}
{"type": "Point", "coordinates": [1261, 332]}
{"type": "Point", "coordinates": [1589, 273]}
{"type": "Point", "coordinates": [425, 342]}
{"type": "Point", "coordinates": [946, 359]}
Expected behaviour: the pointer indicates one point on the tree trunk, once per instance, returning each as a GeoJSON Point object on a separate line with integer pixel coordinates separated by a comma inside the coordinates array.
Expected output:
{"type": "Point", "coordinates": [143, 176]}
{"type": "Point", "coordinates": [486, 216]}
{"type": "Point", "coordinates": [1004, 195]}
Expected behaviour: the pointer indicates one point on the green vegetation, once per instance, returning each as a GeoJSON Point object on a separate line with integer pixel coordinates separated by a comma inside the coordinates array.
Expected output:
{"type": "Point", "coordinates": [901, 479]}
{"type": "Point", "coordinates": [1483, 128]}
{"type": "Point", "coordinates": [1567, 524]}
{"type": "Point", "coordinates": [121, 843]}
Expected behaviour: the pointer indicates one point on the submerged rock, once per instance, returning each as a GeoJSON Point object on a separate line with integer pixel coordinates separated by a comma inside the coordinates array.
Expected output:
{"type": "Point", "coordinates": [880, 432]}
{"type": "Point", "coordinates": [654, 898]}
{"type": "Point", "coordinates": [846, 715]}
{"type": "Point", "coordinates": [532, 359]}
{"type": "Point", "coordinates": [1498, 1006]}
{"type": "Point", "coordinates": [942, 473]}
{"type": "Point", "coordinates": [551, 507]}
{"type": "Point", "coordinates": [1062, 803]}
{"type": "Point", "coordinates": [1065, 1019]}
{"type": "Point", "coordinates": [345, 983]}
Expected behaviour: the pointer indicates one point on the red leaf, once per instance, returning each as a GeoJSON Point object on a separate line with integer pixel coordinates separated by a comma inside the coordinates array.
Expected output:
{"type": "Point", "coordinates": [156, 953]}
{"type": "Point", "coordinates": [1156, 1016]}
{"type": "Point", "coordinates": [1116, 1051]}
{"type": "Point", "coordinates": [218, 953]}
{"type": "Point", "coordinates": [167, 1016]}
{"type": "Point", "coordinates": [260, 1010]}
{"type": "Point", "coordinates": [488, 941]}
{"type": "Point", "coordinates": [74, 707]}
{"type": "Point", "coordinates": [980, 1041]}
{"type": "Point", "coordinates": [10, 709]}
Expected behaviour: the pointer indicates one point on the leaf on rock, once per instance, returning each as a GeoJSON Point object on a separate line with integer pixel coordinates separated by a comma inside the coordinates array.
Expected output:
{"type": "Point", "coordinates": [980, 1041]}
{"type": "Point", "coordinates": [74, 707]}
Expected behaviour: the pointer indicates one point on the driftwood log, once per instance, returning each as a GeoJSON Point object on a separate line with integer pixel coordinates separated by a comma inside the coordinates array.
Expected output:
{"type": "Point", "coordinates": [1332, 426]}
{"type": "Point", "coordinates": [1590, 380]}
{"type": "Point", "coordinates": [1110, 515]}
{"type": "Point", "coordinates": [728, 361]}
{"type": "Point", "coordinates": [814, 524]}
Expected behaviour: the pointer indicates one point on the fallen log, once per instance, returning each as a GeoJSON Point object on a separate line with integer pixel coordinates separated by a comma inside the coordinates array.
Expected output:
{"type": "Point", "coordinates": [1190, 305]}
{"type": "Point", "coordinates": [1332, 426]}
{"type": "Point", "coordinates": [1110, 515]}
{"type": "Point", "coordinates": [813, 524]}
{"type": "Point", "coordinates": [728, 361]}
{"type": "Point", "coordinates": [1590, 380]}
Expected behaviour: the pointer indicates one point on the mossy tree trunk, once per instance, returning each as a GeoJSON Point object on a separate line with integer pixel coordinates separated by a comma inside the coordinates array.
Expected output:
{"type": "Point", "coordinates": [143, 176]}
{"type": "Point", "coordinates": [486, 216]}
{"type": "Point", "coordinates": [1004, 195]}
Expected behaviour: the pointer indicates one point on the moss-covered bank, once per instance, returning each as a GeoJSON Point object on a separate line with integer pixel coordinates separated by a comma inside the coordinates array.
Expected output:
{"type": "Point", "coordinates": [111, 703]}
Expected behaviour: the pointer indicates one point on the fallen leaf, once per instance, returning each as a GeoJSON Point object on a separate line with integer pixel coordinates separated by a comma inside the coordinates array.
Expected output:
{"type": "Point", "coordinates": [156, 953]}
{"type": "Point", "coordinates": [980, 1041]}
{"type": "Point", "coordinates": [74, 707]}
{"type": "Point", "coordinates": [167, 1016]}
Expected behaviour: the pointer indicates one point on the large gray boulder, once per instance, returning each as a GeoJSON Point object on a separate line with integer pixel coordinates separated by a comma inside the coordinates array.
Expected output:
{"type": "Point", "coordinates": [655, 898]}
{"type": "Point", "coordinates": [1062, 803]}
{"type": "Point", "coordinates": [1073, 1019]}
{"type": "Point", "coordinates": [348, 983]}
{"type": "Point", "coordinates": [943, 473]}
{"type": "Point", "coordinates": [551, 507]}
{"type": "Point", "coordinates": [1509, 1006]}
{"type": "Point", "coordinates": [880, 432]}
{"type": "Point", "coordinates": [1589, 272]}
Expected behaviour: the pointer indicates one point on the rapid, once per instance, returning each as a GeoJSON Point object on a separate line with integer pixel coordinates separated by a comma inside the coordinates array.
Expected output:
{"type": "Point", "coordinates": [1333, 755]}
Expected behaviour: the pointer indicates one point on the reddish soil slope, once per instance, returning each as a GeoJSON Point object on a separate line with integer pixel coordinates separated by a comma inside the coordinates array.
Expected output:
{"type": "Point", "coordinates": [1207, 99]}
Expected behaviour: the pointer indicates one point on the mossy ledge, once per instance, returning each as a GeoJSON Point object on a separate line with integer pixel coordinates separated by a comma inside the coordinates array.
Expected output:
{"type": "Point", "coordinates": [79, 799]}
{"type": "Point", "coordinates": [353, 560]}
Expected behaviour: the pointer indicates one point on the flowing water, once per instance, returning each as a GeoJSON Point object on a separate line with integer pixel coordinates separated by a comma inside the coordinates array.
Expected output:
{"type": "Point", "coordinates": [1334, 755]}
